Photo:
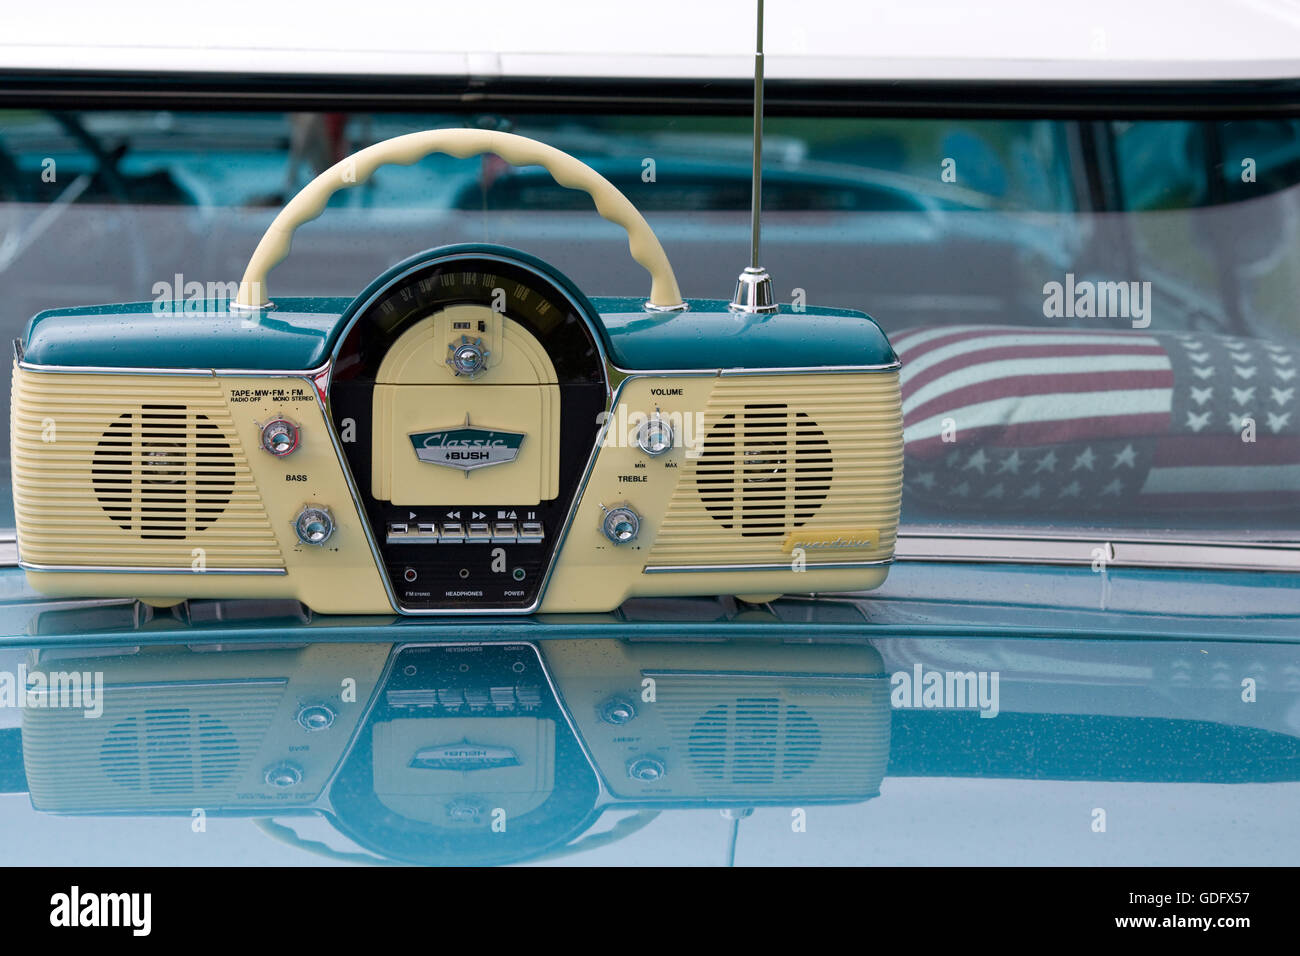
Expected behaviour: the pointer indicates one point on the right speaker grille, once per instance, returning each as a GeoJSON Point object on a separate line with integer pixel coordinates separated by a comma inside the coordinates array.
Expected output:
{"type": "Point", "coordinates": [787, 453]}
{"type": "Point", "coordinates": [765, 469]}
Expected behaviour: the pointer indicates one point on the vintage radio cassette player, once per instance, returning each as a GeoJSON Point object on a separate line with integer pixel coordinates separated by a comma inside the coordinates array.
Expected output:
{"type": "Point", "coordinates": [470, 434]}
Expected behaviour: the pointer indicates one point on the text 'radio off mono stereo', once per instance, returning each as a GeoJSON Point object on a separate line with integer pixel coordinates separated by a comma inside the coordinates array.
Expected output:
{"type": "Point", "coordinates": [469, 434]}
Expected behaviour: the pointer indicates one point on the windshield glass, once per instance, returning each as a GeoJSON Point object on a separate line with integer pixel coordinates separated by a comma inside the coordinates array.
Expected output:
{"type": "Point", "coordinates": [1096, 320]}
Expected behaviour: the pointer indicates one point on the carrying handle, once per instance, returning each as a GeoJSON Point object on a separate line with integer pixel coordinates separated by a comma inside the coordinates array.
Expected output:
{"type": "Point", "coordinates": [461, 143]}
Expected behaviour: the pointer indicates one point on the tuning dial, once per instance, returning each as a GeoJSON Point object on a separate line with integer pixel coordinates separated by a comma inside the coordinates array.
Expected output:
{"type": "Point", "coordinates": [621, 524]}
{"type": "Point", "coordinates": [467, 357]}
{"type": "Point", "coordinates": [654, 436]}
{"type": "Point", "coordinates": [284, 775]}
{"type": "Point", "coordinates": [314, 525]}
{"type": "Point", "coordinates": [280, 437]}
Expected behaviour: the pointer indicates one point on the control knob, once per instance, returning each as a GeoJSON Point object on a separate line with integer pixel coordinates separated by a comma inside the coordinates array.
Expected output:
{"type": "Point", "coordinates": [621, 524]}
{"type": "Point", "coordinates": [314, 524]}
{"type": "Point", "coordinates": [654, 436]}
{"type": "Point", "coordinates": [280, 437]}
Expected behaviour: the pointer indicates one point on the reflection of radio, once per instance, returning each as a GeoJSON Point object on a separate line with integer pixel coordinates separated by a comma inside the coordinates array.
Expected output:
{"type": "Point", "coordinates": [178, 728]}
{"type": "Point", "coordinates": [438, 741]}
{"type": "Point", "coordinates": [684, 723]}
{"type": "Point", "coordinates": [469, 434]}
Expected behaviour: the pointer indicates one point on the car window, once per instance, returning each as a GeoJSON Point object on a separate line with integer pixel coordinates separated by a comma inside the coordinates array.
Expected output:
{"type": "Point", "coordinates": [1096, 320]}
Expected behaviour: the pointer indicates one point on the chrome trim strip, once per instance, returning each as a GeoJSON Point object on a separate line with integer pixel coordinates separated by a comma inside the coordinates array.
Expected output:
{"type": "Point", "coordinates": [104, 569]}
{"type": "Point", "coordinates": [694, 568]}
{"type": "Point", "coordinates": [1075, 549]}
{"type": "Point", "coordinates": [200, 684]}
{"type": "Point", "coordinates": [190, 372]}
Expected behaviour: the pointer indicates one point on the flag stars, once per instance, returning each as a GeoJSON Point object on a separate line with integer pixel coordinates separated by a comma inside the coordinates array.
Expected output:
{"type": "Point", "coordinates": [1085, 459]}
{"type": "Point", "coordinates": [1071, 490]}
{"type": "Point", "coordinates": [925, 479]}
{"type": "Point", "coordinates": [1243, 395]}
{"type": "Point", "coordinates": [1033, 491]}
{"type": "Point", "coordinates": [1126, 457]}
{"type": "Point", "coordinates": [1202, 395]}
{"type": "Point", "coordinates": [1011, 463]}
{"type": "Point", "coordinates": [1280, 396]}
{"type": "Point", "coordinates": [1114, 488]}
{"type": "Point", "coordinates": [978, 461]}
{"type": "Point", "coordinates": [1277, 422]}
{"type": "Point", "coordinates": [1196, 422]}
{"type": "Point", "coordinates": [1046, 463]}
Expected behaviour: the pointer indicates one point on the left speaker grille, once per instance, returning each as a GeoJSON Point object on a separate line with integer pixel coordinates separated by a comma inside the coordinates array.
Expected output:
{"type": "Point", "coordinates": [163, 471]}
{"type": "Point", "coordinates": [133, 471]}
{"type": "Point", "coordinates": [156, 746]}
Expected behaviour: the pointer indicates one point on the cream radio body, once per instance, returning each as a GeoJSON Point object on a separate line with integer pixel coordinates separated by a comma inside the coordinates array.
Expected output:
{"type": "Point", "coordinates": [470, 434]}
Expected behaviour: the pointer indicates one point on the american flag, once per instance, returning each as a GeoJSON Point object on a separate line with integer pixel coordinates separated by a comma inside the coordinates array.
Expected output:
{"type": "Point", "coordinates": [1008, 418]}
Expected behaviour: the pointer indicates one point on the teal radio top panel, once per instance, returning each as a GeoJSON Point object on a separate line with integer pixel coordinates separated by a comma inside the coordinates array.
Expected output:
{"type": "Point", "coordinates": [299, 335]}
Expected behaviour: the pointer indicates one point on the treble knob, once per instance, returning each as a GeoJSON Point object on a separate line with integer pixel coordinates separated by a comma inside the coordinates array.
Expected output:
{"type": "Point", "coordinates": [621, 524]}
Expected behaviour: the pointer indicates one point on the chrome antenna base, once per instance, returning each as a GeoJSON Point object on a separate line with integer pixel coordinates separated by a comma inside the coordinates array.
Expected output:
{"type": "Point", "coordinates": [754, 293]}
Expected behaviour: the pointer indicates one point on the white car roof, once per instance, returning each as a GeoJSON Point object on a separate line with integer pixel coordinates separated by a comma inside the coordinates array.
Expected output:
{"type": "Point", "coordinates": [690, 39]}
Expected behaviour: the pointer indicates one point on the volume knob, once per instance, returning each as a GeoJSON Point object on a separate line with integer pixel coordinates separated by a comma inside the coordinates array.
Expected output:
{"type": "Point", "coordinates": [621, 524]}
{"type": "Point", "coordinates": [314, 524]}
{"type": "Point", "coordinates": [654, 436]}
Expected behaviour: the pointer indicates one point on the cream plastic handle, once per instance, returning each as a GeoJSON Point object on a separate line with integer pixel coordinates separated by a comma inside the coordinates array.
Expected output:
{"type": "Point", "coordinates": [461, 143]}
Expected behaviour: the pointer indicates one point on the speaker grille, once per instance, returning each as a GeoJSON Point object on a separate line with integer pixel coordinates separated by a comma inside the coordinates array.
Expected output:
{"type": "Point", "coordinates": [163, 471]}
{"type": "Point", "coordinates": [774, 736]}
{"type": "Point", "coordinates": [125, 471]}
{"type": "Point", "coordinates": [169, 751]}
{"type": "Point", "coordinates": [764, 470]}
{"type": "Point", "coordinates": [156, 746]}
{"type": "Point", "coordinates": [755, 740]}
{"type": "Point", "coordinates": [786, 453]}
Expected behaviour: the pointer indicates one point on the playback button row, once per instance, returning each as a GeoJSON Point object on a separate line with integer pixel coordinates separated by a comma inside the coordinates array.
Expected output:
{"type": "Point", "coordinates": [465, 532]}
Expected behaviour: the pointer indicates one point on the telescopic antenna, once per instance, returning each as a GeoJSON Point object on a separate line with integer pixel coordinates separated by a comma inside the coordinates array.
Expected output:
{"type": "Point", "coordinates": [754, 287]}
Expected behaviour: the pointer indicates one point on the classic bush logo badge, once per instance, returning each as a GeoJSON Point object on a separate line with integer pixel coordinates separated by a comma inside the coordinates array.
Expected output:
{"type": "Point", "coordinates": [467, 447]}
{"type": "Point", "coordinates": [464, 756]}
